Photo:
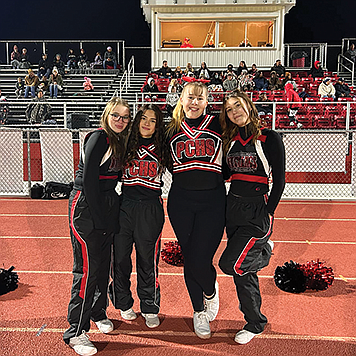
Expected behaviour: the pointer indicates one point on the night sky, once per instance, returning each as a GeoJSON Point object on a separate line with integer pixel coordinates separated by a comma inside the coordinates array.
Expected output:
{"type": "Point", "coordinates": [309, 21]}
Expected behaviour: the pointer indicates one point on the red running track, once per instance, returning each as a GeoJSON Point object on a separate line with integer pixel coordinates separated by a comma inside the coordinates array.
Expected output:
{"type": "Point", "coordinates": [34, 237]}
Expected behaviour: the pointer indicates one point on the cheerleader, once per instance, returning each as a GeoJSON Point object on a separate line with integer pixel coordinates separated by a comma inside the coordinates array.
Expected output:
{"type": "Point", "coordinates": [196, 201]}
{"type": "Point", "coordinates": [93, 210]}
{"type": "Point", "coordinates": [252, 155]}
{"type": "Point", "coordinates": [141, 217]}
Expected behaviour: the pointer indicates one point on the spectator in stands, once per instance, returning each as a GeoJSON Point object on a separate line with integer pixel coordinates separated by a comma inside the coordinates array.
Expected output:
{"type": "Point", "coordinates": [98, 61]}
{"type": "Point", "coordinates": [230, 83]}
{"type": "Point", "coordinates": [178, 73]}
{"type": "Point", "coordinates": [261, 83]}
{"type": "Point", "coordinates": [316, 71]}
{"type": "Point", "coordinates": [342, 90]}
{"type": "Point", "coordinates": [245, 81]}
{"type": "Point", "coordinates": [293, 105]}
{"type": "Point", "coordinates": [216, 79]}
{"type": "Point", "coordinates": [278, 68]}
{"type": "Point", "coordinates": [87, 85]}
{"type": "Point", "coordinates": [172, 96]}
{"type": "Point", "coordinates": [351, 54]}
{"type": "Point", "coordinates": [265, 105]}
{"type": "Point", "coordinates": [31, 83]}
{"type": "Point", "coordinates": [43, 85]}
{"type": "Point", "coordinates": [55, 83]}
{"type": "Point", "coordinates": [19, 87]}
{"type": "Point", "coordinates": [59, 64]}
{"type": "Point", "coordinates": [288, 79]}
{"type": "Point", "coordinates": [326, 89]}
{"type": "Point", "coordinates": [274, 83]}
{"type": "Point", "coordinates": [71, 59]}
{"type": "Point", "coordinates": [15, 57]}
{"type": "Point", "coordinates": [4, 110]}
{"type": "Point", "coordinates": [109, 58]}
{"type": "Point", "coordinates": [83, 60]}
{"type": "Point", "coordinates": [188, 69]}
{"type": "Point", "coordinates": [38, 111]}
{"type": "Point", "coordinates": [186, 43]}
{"type": "Point", "coordinates": [150, 90]}
{"type": "Point", "coordinates": [44, 67]}
{"type": "Point", "coordinates": [242, 66]}
{"type": "Point", "coordinates": [203, 72]}
{"type": "Point", "coordinates": [164, 71]}
{"type": "Point", "coordinates": [229, 69]}
{"type": "Point", "coordinates": [253, 71]}
{"type": "Point", "coordinates": [24, 59]}
{"type": "Point", "coordinates": [210, 44]}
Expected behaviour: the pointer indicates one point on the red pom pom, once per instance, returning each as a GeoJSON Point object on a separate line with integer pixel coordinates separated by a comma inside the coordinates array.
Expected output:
{"type": "Point", "coordinates": [319, 277]}
{"type": "Point", "coordinates": [172, 254]}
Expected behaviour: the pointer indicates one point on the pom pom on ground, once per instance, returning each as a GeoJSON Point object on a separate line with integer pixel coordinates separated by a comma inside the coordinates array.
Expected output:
{"type": "Point", "coordinates": [8, 280]}
{"type": "Point", "coordinates": [290, 278]}
{"type": "Point", "coordinates": [172, 254]}
{"type": "Point", "coordinates": [319, 277]}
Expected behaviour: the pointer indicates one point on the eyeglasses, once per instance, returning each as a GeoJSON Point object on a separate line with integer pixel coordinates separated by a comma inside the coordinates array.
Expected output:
{"type": "Point", "coordinates": [117, 117]}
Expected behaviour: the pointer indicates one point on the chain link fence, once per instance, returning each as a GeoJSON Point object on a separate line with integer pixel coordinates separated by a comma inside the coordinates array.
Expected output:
{"type": "Point", "coordinates": [319, 165]}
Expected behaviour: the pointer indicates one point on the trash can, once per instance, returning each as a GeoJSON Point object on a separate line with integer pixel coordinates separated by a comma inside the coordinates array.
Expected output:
{"type": "Point", "coordinates": [298, 58]}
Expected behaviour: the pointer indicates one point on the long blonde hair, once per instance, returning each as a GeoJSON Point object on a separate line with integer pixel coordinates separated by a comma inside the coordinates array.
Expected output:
{"type": "Point", "coordinates": [198, 88]}
{"type": "Point", "coordinates": [116, 141]}
{"type": "Point", "coordinates": [229, 129]}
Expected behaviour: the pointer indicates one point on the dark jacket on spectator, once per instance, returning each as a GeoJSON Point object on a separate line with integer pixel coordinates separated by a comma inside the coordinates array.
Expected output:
{"type": "Point", "coordinates": [341, 90]}
{"type": "Point", "coordinates": [279, 69]}
{"type": "Point", "coordinates": [316, 71]}
{"type": "Point", "coordinates": [261, 83]}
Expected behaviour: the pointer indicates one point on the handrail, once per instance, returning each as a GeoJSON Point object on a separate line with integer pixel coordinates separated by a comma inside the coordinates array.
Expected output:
{"type": "Point", "coordinates": [343, 66]}
{"type": "Point", "coordinates": [130, 69]}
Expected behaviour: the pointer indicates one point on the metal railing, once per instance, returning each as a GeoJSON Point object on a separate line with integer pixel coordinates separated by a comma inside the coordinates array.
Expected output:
{"type": "Point", "coordinates": [346, 64]}
{"type": "Point", "coordinates": [125, 79]}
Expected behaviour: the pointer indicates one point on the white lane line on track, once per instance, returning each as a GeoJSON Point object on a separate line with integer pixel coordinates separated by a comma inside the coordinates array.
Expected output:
{"type": "Point", "coordinates": [165, 274]}
{"type": "Point", "coordinates": [34, 215]}
{"type": "Point", "coordinates": [145, 333]}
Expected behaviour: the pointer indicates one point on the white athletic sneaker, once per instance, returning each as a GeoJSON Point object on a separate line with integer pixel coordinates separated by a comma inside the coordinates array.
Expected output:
{"type": "Point", "coordinates": [152, 320]}
{"type": "Point", "coordinates": [291, 123]}
{"type": "Point", "coordinates": [82, 346]}
{"type": "Point", "coordinates": [212, 305]}
{"type": "Point", "coordinates": [299, 125]}
{"type": "Point", "coordinates": [244, 336]}
{"type": "Point", "coordinates": [105, 325]}
{"type": "Point", "coordinates": [201, 325]}
{"type": "Point", "coordinates": [128, 314]}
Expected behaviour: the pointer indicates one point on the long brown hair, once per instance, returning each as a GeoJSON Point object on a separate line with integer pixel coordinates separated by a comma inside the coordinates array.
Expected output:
{"type": "Point", "coordinates": [198, 88]}
{"type": "Point", "coordinates": [159, 141]}
{"type": "Point", "coordinates": [229, 129]}
{"type": "Point", "coordinates": [117, 141]}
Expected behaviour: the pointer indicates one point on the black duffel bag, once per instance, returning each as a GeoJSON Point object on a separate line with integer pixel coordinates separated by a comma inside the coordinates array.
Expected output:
{"type": "Point", "coordinates": [54, 190]}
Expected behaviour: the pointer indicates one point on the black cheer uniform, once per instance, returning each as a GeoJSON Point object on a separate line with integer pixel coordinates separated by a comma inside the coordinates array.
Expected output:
{"type": "Point", "coordinates": [93, 210]}
{"type": "Point", "coordinates": [249, 215]}
{"type": "Point", "coordinates": [141, 223]}
{"type": "Point", "coordinates": [196, 201]}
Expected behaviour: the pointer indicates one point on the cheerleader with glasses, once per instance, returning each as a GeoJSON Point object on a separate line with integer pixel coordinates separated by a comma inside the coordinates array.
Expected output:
{"type": "Point", "coordinates": [93, 210]}
{"type": "Point", "coordinates": [196, 201]}
{"type": "Point", "coordinates": [252, 154]}
{"type": "Point", "coordinates": [141, 217]}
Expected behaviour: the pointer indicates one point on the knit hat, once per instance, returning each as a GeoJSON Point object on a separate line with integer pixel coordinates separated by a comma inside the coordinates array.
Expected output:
{"type": "Point", "coordinates": [109, 48]}
{"type": "Point", "coordinates": [326, 80]}
{"type": "Point", "coordinates": [54, 70]}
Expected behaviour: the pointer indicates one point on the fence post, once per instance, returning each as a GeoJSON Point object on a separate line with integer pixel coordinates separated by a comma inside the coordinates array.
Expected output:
{"type": "Point", "coordinates": [274, 115]}
{"type": "Point", "coordinates": [347, 115]}
{"type": "Point", "coordinates": [65, 115]}
{"type": "Point", "coordinates": [28, 161]}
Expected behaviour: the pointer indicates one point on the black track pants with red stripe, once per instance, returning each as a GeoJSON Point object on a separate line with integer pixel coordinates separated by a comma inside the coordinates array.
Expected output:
{"type": "Point", "coordinates": [248, 228]}
{"type": "Point", "coordinates": [141, 223]}
{"type": "Point", "coordinates": [92, 259]}
{"type": "Point", "coordinates": [198, 221]}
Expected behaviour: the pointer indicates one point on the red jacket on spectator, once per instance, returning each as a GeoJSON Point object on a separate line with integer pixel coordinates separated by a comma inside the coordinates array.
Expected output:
{"type": "Point", "coordinates": [292, 96]}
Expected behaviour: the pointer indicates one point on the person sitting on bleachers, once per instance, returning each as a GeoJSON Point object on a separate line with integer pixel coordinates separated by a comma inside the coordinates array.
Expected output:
{"type": "Point", "coordinates": [19, 87]}
{"type": "Point", "coordinates": [98, 61]}
{"type": "Point", "coordinates": [15, 58]}
{"type": "Point", "coordinates": [342, 90]}
{"type": "Point", "coordinates": [351, 55]}
{"type": "Point", "coordinates": [44, 67]}
{"type": "Point", "coordinates": [172, 96]}
{"type": "Point", "coordinates": [278, 68]}
{"type": "Point", "coordinates": [178, 73]}
{"type": "Point", "coordinates": [188, 69]}
{"type": "Point", "coordinates": [326, 89]}
{"type": "Point", "coordinates": [59, 64]}
{"type": "Point", "coordinates": [31, 83]}
{"type": "Point", "coordinates": [274, 83]}
{"type": "Point", "coordinates": [230, 83]}
{"type": "Point", "coordinates": [245, 81]}
{"type": "Point", "coordinates": [288, 79]}
{"type": "Point", "coordinates": [38, 111]}
{"type": "Point", "coordinates": [216, 79]}
{"type": "Point", "coordinates": [55, 83]}
{"type": "Point", "coordinates": [87, 85]}
{"type": "Point", "coordinates": [164, 71]}
{"type": "Point", "coordinates": [4, 110]}
{"type": "Point", "coordinates": [203, 70]}
{"type": "Point", "coordinates": [293, 105]}
{"type": "Point", "coordinates": [71, 59]}
{"type": "Point", "coordinates": [261, 83]}
{"type": "Point", "coordinates": [265, 107]}
{"type": "Point", "coordinates": [229, 69]}
{"type": "Point", "coordinates": [242, 66]}
{"type": "Point", "coordinates": [43, 85]}
{"type": "Point", "coordinates": [316, 71]}
{"type": "Point", "coordinates": [24, 59]}
{"type": "Point", "coordinates": [253, 71]}
{"type": "Point", "coordinates": [109, 59]}
{"type": "Point", "coordinates": [150, 90]}
{"type": "Point", "coordinates": [82, 60]}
